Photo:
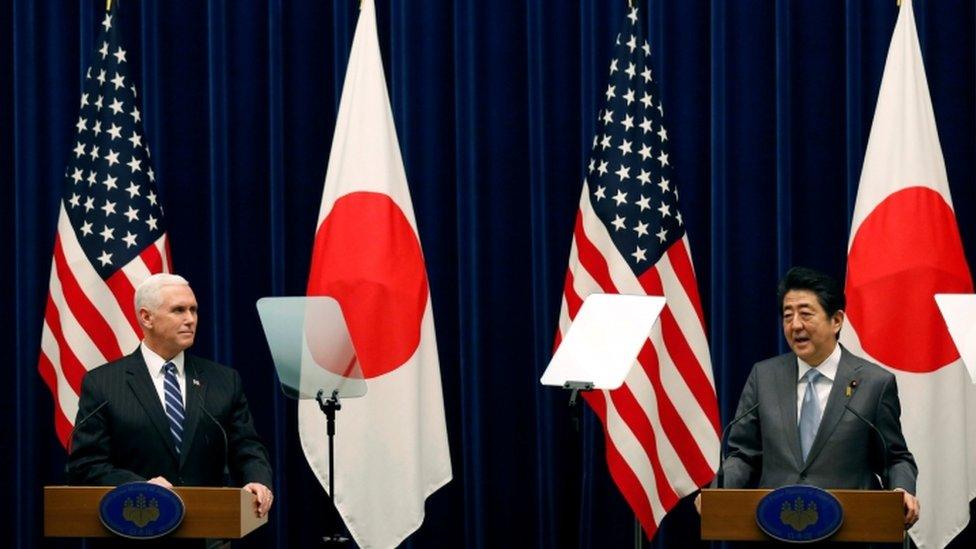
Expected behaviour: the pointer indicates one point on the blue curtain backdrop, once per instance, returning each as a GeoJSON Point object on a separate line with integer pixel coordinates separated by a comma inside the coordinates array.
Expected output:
{"type": "Point", "coordinates": [769, 105]}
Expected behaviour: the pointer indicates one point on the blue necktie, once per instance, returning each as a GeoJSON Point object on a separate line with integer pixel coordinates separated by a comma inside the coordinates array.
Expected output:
{"type": "Point", "coordinates": [174, 403]}
{"type": "Point", "coordinates": [809, 413]}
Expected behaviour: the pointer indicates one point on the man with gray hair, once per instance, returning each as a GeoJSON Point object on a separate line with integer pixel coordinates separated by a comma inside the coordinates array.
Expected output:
{"type": "Point", "coordinates": [163, 415]}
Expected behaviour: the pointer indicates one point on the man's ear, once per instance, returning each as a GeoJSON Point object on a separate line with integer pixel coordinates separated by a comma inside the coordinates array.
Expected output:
{"type": "Point", "coordinates": [838, 320]}
{"type": "Point", "coordinates": [145, 318]}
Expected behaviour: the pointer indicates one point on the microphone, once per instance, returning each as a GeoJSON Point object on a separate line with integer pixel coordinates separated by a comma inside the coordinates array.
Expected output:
{"type": "Point", "coordinates": [884, 442]}
{"type": "Point", "coordinates": [721, 444]}
{"type": "Point", "coordinates": [223, 433]}
{"type": "Point", "coordinates": [71, 435]}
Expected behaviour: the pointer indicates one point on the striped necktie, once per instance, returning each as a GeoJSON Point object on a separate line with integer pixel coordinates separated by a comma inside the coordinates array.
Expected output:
{"type": "Point", "coordinates": [809, 413]}
{"type": "Point", "coordinates": [174, 404]}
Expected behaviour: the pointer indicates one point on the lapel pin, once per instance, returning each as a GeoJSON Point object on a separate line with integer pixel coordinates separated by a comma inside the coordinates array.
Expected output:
{"type": "Point", "coordinates": [851, 387]}
{"type": "Point", "coordinates": [197, 383]}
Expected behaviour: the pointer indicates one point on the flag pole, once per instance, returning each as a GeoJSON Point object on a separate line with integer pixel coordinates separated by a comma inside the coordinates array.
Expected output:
{"type": "Point", "coordinates": [638, 533]}
{"type": "Point", "coordinates": [108, 5]}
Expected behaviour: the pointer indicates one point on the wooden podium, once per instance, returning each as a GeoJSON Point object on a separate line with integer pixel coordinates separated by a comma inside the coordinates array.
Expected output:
{"type": "Point", "coordinates": [869, 515]}
{"type": "Point", "coordinates": [220, 513]}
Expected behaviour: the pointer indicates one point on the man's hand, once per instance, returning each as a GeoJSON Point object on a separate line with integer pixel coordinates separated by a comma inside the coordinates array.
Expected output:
{"type": "Point", "coordinates": [911, 508]}
{"type": "Point", "coordinates": [161, 481]}
{"type": "Point", "coordinates": [263, 496]}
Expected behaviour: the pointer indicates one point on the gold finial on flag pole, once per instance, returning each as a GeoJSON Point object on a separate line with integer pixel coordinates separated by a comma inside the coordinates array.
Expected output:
{"type": "Point", "coordinates": [108, 5]}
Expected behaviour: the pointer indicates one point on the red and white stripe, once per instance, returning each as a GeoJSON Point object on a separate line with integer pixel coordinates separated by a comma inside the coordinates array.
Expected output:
{"type": "Point", "coordinates": [88, 321]}
{"type": "Point", "coordinates": [661, 426]}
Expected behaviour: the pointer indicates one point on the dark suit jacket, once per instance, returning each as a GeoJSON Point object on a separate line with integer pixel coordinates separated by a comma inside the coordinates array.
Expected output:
{"type": "Point", "coordinates": [128, 439]}
{"type": "Point", "coordinates": [764, 448]}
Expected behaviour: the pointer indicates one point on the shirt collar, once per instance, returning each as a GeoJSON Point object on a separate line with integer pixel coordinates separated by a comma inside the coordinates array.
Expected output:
{"type": "Point", "coordinates": [155, 362]}
{"type": "Point", "coordinates": [828, 367]}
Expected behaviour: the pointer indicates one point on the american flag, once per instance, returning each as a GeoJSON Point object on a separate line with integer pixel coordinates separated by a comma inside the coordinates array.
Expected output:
{"type": "Point", "coordinates": [661, 426]}
{"type": "Point", "coordinates": [110, 233]}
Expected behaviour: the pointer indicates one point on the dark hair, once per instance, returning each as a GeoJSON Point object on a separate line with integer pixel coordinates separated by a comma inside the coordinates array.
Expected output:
{"type": "Point", "coordinates": [829, 293]}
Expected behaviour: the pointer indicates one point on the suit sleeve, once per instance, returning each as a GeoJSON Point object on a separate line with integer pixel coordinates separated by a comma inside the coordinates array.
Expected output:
{"type": "Point", "coordinates": [247, 457]}
{"type": "Point", "coordinates": [902, 470]}
{"type": "Point", "coordinates": [744, 458]}
{"type": "Point", "coordinates": [90, 461]}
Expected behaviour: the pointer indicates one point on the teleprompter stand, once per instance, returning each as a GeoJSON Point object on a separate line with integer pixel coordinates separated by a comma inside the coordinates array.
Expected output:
{"type": "Point", "coordinates": [600, 348]}
{"type": "Point", "coordinates": [329, 407]}
{"type": "Point", "coordinates": [575, 388]}
{"type": "Point", "coordinates": [315, 359]}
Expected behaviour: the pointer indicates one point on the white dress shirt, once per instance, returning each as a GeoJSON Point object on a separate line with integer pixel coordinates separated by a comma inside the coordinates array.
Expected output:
{"type": "Point", "coordinates": [155, 364]}
{"type": "Point", "coordinates": [828, 369]}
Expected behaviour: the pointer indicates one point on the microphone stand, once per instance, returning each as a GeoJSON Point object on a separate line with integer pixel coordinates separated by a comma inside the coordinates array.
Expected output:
{"type": "Point", "coordinates": [329, 406]}
{"type": "Point", "coordinates": [885, 480]}
{"type": "Point", "coordinates": [223, 433]}
{"type": "Point", "coordinates": [720, 474]}
{"type": "Point", "coordinates": [885, 476]}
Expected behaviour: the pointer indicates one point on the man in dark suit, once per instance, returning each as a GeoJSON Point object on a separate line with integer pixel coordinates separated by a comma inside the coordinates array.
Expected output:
{"type": "Point", "coordinates": [804, 429]}
{"type": "Point", "coordinates": [163, 415]}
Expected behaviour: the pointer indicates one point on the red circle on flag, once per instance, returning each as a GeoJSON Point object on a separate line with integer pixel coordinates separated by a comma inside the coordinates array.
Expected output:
{"type": "Point", "coordinates": [367, 256]}
{"type": "Point", "coordinates": [905, 251]}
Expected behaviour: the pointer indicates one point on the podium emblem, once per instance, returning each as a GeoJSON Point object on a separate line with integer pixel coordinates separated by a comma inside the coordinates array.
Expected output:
{"type": "Point", "coordinates": [140, 510]}
{"type": "Point", "coordinates": [799, 514]}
